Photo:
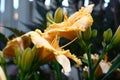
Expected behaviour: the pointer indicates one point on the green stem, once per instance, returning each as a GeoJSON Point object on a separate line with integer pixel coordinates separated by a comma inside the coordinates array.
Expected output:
{"type": "Point", "coordinates": [91, 73]}
{"type": "Point", "coordinates": [58, 71]}
{"type": "Point", "coordinates": [24, 76]}
{"type": "Point", "coordinates": [36, 76]}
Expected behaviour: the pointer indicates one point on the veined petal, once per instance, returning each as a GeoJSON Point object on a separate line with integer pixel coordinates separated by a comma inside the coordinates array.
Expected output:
{"type": "Point", "coordinates": [64, 62]}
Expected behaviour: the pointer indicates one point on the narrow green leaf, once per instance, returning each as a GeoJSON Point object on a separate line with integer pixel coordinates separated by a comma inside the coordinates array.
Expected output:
{"type": "Point", "coordinates": [15, 31]}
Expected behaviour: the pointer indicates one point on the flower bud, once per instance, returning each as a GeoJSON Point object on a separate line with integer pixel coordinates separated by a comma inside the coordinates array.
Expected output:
{"type": "Point", "coordinates": [49, 17]}
{"type": "Point", "coordinates": [115, 39]}
{"type": "Point", "coordinates": [26, 60]}
{"type": "Point", "coordinates": [87, 34]}
{"type": "Point", "coordinates": [107, 35]}
{"type": "Point", "coordinates": [93, 33]}
{"type": "Point", "coordinates": [58, 17]}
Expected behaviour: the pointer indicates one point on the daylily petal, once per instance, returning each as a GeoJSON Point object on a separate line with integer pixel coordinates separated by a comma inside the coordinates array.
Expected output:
{"type": "Point", "coordinates": [82, 24]}
{"type": "Point", "coordinates": [65, 63]}
{"type": "Point", "coordinates": [39, 41]}
{"type": "Point", "coordinates": [89, 8]}
{"type": "Point", "coordinates": [105, 66]}
{"type": "Point", "coordinates": [20, 42]}
{"type": "Point", "coordinates": [84, 11]}
{"type": "Point", "coordinates": [74, 58]}
{"type": "Point", "coordinates": [2, 74]}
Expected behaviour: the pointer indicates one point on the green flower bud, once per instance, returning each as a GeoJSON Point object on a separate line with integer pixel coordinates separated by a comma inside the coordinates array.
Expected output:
{"type": "Point", "coordinates": [87, 34]}
{"type": "Point", "coordinates": [28, 60]}
{"type": "Point", "coordinates": [115, 39]}
{"type": "Point", "coordinates": [58, 16]}
{"type": "Point", "coordinates": [107, 35]}
{"type": "Point", "coordinates": [49, 17]}
{"type": "Point", "coordinates": [94, 33]}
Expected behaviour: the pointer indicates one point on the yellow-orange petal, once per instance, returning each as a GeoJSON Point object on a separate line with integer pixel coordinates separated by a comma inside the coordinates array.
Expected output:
{"type": "Point", "coordinates": [82, 24]}
{"type": "Point", "coordinates": [89, 8]}
{"type": "Point", "coordinates": [81, 13]}
{"type": "Point", "coordinates": [39, 41]}
{"type": "Point", "coordinates": [74, 58]}
{"type": "Point", "coordinates": [2, 74]}
{"type": "Point", "coordinates": [20, 42]}
{"type": "Point", "coordinates": [64, 62]}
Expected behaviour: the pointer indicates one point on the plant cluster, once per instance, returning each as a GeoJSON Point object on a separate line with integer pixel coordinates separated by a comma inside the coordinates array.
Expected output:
{"type": "Point", "coordinates": [36, 48]}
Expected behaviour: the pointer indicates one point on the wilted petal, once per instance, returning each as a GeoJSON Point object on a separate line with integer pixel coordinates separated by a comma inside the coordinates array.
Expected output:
{"type": "Point", "coordinates": [105, 66]}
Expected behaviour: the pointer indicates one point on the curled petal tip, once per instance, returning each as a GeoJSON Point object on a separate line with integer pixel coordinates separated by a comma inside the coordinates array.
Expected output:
{"type": "Point", "coordinates": [89, 8]}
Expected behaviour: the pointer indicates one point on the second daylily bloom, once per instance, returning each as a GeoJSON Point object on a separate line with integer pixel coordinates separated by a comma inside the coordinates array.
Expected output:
{"type": "Point", "coordinates": [71, 26]}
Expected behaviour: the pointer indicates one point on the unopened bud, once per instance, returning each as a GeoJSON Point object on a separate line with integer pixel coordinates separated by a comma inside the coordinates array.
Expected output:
{"type": "Point", "coordinates": [58, 17]}
{"type": "Point", "coordinates": [107, 35]}
{"type": "Point", "coordinates": [94, 33]}
{"type": "Point", "coordinates": [115, 39]}
{"type": "Point", "coordinates": [87, 34]}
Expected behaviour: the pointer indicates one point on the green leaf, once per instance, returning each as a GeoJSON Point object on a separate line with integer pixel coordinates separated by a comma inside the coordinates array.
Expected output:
{"type": "Point", "coordinates": [114, 66]}
{"type": "Point", "coordinates": [15, 31]}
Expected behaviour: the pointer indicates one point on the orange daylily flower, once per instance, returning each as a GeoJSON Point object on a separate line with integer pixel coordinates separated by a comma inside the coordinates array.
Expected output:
{"type": "Point", "coordinates": [48, 50]}
{"type": "Point", "coordinates": [71, 26]}
{"type": "Point", "coordinates": [52, 51]}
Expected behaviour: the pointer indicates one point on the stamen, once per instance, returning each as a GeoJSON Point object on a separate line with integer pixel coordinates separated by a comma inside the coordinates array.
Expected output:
{"type": "Point", "coordinates": [69, 43]}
